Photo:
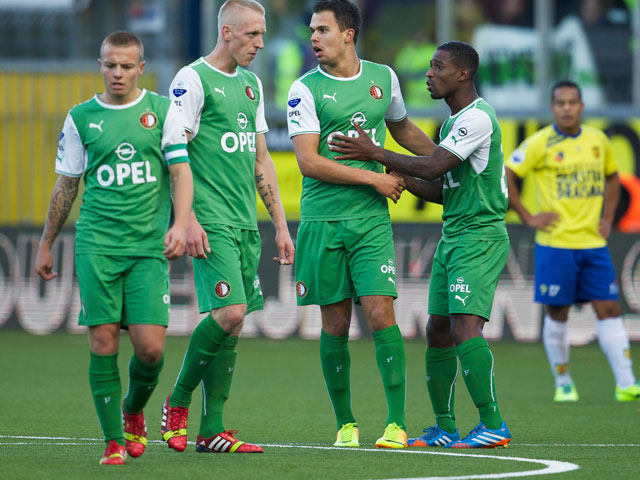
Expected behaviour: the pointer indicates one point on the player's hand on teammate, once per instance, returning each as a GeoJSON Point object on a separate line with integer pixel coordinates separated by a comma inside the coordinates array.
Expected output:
{"type": "Point", "coordinates": [44, 264]}
{"type": "Point", "coordinates": [604, 228]}
{"type": "Point", "coordinates": [544, 221]}
{"type": "Point", "coordinates": [284, 244]}
{"type": "Point", "coordinates": [391, 185]}
{"type": "Point", "coordinates": [175, 242]}
{"type": "Point", "coordinates": [353, 148]}
{"type": "Point", "coordinates": [197, 241]}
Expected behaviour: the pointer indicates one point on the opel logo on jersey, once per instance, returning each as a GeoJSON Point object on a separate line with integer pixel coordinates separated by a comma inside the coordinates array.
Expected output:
{"type": "Point", "coordinates": [358, 118]}
{"type": "Point", "coordinates": [250, 93]}
{"type": "Point", "coordinates": [222, 289]}
{"type": "Point", "coordinates": [148, 120]}
{"type": "Point", "coordinates": [125, 151]}
{"type": "Point", "coordinates": [376, 92]}
{"type": "Point", "coordinates": [242, 120]}
{"type": "Point", "coordinates": [462, 131]}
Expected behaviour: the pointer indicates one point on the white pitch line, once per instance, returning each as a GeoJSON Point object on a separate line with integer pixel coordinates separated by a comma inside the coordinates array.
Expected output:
{"type": "Point", "coordinates": [551, 466]}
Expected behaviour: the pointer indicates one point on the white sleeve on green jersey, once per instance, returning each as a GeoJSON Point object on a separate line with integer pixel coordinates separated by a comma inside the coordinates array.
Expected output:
{"type": "Point", "coordinates": [174, 138]}
{"type": "Point", "coordinates": [187, 95]}
{"type": "Point", "coordinates": [397, 111]}
{"type": "Point", "coordinates": [301, 110]}
{"type": "Point", "coordinates": [72, 156]}
{"type": "Point", "coordinates": [470, 138]}
{"type": "Point", "coordinates": [261, 121]}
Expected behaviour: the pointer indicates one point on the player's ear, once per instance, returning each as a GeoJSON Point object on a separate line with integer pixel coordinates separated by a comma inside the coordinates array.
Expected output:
{"type": "Point", "coordinates": [142, 64]}
{"type": "Point", "coordinates": [348, 35]}
{"type": "Point", "coordinates": [226, 32]}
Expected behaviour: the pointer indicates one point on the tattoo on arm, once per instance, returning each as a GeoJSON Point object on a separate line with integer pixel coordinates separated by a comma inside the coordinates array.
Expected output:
{"type": "Point", "coordinates": [64, 193]}
{"type": "Point", "coordinates": [266, 194]}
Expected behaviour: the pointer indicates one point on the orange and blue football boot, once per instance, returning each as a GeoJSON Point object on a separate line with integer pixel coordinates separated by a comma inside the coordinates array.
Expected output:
{"type": "Point", "coordinates": [483, 437]}
{"type": "Point", "coordinates": [434, 437]}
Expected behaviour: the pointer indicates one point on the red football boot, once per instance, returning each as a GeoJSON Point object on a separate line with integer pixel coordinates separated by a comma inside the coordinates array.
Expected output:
{"type": "Point", "coordinates": [174, 426]}
{"type": "Point", "coordinates": [114, 454]}
{"type": "Point", "coordinates": [225, 442]}
{"type": "Point", "coordinates": [135, 432]}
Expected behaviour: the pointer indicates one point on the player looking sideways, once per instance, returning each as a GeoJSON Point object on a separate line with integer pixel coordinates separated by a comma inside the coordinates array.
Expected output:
{"type": "Point", "coordinates": [465, 174]}
{"type": "Point", "coordinates": [126, 142]}
{"type": "Point", "coordinates": [345, 242]}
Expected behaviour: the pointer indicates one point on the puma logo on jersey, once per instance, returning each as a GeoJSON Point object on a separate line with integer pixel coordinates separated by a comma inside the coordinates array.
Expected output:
{"type": "Point", "coordinates": [391, 280]}
{"type": "Point", "coordinates": [297, 122]}
{"type": "Point", "coordinates": [332, 97]}
{"type": "Point", "coordinates": [463, 300]}
{"type": "Point", "coordinates": [96, 125]}
{"type": "Point", "coordinates": [221, 91]}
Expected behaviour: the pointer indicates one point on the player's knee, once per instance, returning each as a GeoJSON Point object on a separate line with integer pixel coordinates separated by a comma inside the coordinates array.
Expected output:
{"type": "Point", "coordinates": [231, 317]}
{"type": "Point", "coordinates": [150, 354]}
{"type": "Point", "coordinates": [606, 310]}
{"type": "Point", "coordinates": [438, 333]}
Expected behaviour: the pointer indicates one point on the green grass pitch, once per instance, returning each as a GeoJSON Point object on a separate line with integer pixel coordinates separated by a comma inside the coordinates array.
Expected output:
{"type": "Point", "coordinates": [49, 429]}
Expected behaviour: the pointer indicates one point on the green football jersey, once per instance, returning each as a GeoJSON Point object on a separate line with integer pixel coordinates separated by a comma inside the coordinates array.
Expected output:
{"type": "Point", "coordinates": [475, 194]}
{"type": "Point", "coordinates": [223, 114]}
{"type": "Point", "coordinates": [325, 105]}
{"type": "Point", "coordinates": [123, 152]}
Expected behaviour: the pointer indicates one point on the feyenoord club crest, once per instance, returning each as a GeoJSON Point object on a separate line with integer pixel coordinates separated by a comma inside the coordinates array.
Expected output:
{"type": "Point", "coordinates": [250, 93]}
{"type": "Point", "coordinates": [376, 92]}
{"type": "Point", "coordinates": [148, 120]}
{"type": "Point", "coordinates": [301, 289]}
{"type": "Point", "coordinates": [222, 289]}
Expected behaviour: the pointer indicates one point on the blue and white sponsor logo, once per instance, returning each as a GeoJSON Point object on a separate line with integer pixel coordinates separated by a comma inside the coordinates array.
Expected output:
{"type": "Point", "coordinates": [293, 103]}
{"type": "Point", "coordinates": [178, 92]}
{"type": "Point", "coordinates": [61, 135]}
{"type": "Point", "coordinates": [517, 156]}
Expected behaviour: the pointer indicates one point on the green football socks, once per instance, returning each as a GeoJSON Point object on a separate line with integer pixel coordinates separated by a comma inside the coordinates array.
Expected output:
{"type": "Point", "coordinates": [216, 385]}
{"type": "Point", "coordinates": [336, 363]}
{"type": "Point", "coordinates": [391, 363]}
{"type": "Point", "coordinates": [104, 380]}
{"type": "Point", "coordinates": [476, 364]}
{"type": "Point", "coordinates": [442, 370]}
{"type": "Point", "coordinates": [143, 379]}
{"type": "Point", "coordinates": [205, 341]}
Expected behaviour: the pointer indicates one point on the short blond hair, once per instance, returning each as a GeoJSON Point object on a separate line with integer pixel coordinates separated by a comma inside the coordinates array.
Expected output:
{"type": "Point", "coordinates": [230, 5]}
{"type": "Point", "coordinates": [122, 38]}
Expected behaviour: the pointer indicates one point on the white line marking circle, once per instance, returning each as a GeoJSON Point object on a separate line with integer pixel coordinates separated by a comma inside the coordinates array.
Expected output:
{"type": "Point", "coordinates": [551, 466]}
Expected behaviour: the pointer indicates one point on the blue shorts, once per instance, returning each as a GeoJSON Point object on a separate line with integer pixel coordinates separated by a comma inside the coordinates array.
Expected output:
{"type": "Point", "coordinates": [565, 276]}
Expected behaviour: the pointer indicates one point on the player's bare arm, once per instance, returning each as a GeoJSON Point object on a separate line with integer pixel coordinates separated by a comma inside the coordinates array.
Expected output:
{"type": "Point", "coordinates": [64, 193]}
{"type": "Point", "coordinates": [267, 187]}
{"type": "Point", "coordinates": [544, 221]}
{"type": "Point", "coordinates": [424, 167]}
{"type": "Point", "coordinates": [409, 136]}
{"type": "Point", "coordinates": [429, 190]}
{"type": "Point", "coordinates": [611, 198]}
{"type": "Point", "coordinates": [176, 238]}
{"type": "Point", "coordinates": [321, 168]}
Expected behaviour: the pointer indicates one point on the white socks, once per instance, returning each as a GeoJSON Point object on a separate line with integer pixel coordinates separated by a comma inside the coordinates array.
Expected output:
{"type": "Point", "coordinates": [614, 342]}
{"type": "Point", "coordinates": [556, 342]}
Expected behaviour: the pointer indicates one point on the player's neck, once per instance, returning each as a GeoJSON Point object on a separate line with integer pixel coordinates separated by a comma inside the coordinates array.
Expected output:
{"type": "Point", "coordinates": [109, 99]}
{"type": "Point", "coordinates": [221, 60]}
{"type": "Point", "coordinates": [571, 131]}
{"type": "Point", "coordinates": [461, 99]}
{"type": "Point", "coordinates": [346, 66]}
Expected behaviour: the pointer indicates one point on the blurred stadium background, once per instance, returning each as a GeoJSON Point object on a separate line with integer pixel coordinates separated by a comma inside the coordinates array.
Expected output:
{"type": "Point", "coordinates": [48, 64]}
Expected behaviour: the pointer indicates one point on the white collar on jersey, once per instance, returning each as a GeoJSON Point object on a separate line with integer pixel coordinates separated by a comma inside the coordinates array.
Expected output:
{"type": "Point", "coordinates": [121, 107]}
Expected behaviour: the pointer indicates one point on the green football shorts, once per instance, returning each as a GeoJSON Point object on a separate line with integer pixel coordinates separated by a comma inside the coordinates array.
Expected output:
{"type": "Point", "coordinates": [343, 259]}
{"type": "Point", "coordinates": [129, 290]}
{"type": "Point", "coordinates": [464, 276]}
{"type": "Point", "coordinates": [229, 274]}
